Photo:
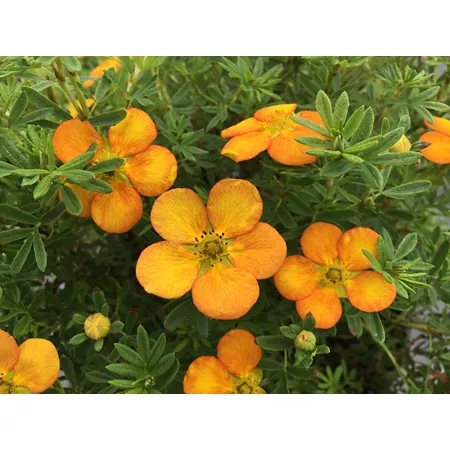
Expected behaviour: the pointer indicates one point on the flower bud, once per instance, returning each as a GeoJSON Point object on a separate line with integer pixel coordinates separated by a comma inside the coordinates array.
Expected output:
{"type": "Point", "coordinates": [305, 341]}
{"type": "Point", "coordinates": [97, 326]}
{"type": "Point", "coordinates": [402, 145]}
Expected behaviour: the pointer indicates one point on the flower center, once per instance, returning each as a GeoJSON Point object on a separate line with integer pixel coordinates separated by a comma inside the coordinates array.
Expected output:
{"type": "Point", "coordinates": [279, 124]}
{"type": "Point", "coordinates": [334, 275]}
{"type": "Point", "coordinates": [211, 247]}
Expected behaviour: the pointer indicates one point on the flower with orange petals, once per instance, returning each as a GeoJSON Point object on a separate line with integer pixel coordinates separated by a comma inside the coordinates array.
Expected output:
{"type": "Point", "coordinates": [334, 266]}
{"type": "Point", "coordinates": [272, 129]}
{"type": "Point", "coordinates": [439, 150]}
{"type": "Point", "coordinates": [102, 67]}
{"type": "Point", "coordinates": [149, 170]}
{"type": "Point", "coordinates": [219, 251]}
{"type": "Point", "coordinates": [232, 372]}
{"type": "Point", "coordinates": [31, 368]}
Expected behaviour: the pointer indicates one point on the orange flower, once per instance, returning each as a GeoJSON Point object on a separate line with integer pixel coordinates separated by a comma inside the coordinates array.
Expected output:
{"type": "Point", "coordinates": [31, 368]}
{"type": "Point", "coordinates": [98, 71]}
{"type": "Point", "coordinates": [333, 266]}
{"type": "Point", "coordinates": [232, 372]}
{"type": "Point", "coordinates": [439, 150]}
{"type": "Point", "coordinates": [271, 129]}
{"type": "Point", "coordinates": [148, 170]}
{"type": "Point", "coordinates": [219, 251]}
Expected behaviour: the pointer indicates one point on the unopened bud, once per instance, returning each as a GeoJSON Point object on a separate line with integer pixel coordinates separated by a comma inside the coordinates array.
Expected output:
{"type": "Point", "coordinates": [423, 144]}
{"type": "Point", "coordinates": [402, 145]}
{"type": "Point", "coordinates": [97, 326]}
{"type": "Point", "coordinates": [305, 341]}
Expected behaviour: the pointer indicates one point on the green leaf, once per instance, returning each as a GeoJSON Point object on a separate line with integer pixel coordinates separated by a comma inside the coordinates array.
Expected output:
{"type": "Point", "coordinates": [446, 356]}
{"type": "Point", "coordinates": [300, 373]}
{"type": "Point", "coordinates": [176, 316]}
{"type": "Point", "coordinates": [168, 376]}
{"type": "Point", "coordinates": [143, 344]}
{"type": "Point", "coordinates": [130, 355]}
{"type": "Point", "coordinates": [286, 219]}
{"type": "Point", "coordinates": [117, 326]}
{"type": "Point", "coordinates": [40, 101]}
{"type": "Point", "coordinates": [107, 166]}
{"type": "Point", "coordinates": [440, 256]}
{"type": "Point", "coordinates": [100, 186]}
{"type": "Point", "coordinates": [371, 175]}
{"type": "Point", "coordinates": [373, 261]}
{"type": "Point", "coordinates": [353, 123]}
{"type": "Point", "coordinates": [123, 384]}
{"type": "Point", "coordinates": [54, 214]}
{"type": "Point", "coordinates": [43, 187]}
{"type": "Point", "coordinates": [79, 319]}
{"type": "Point", "coordinates": [102, 88]}
{"type": "Point", "coordinates": [78, 176]}
{"type": "Point", "coordinates": [71, 200]}
{"type": "Point", "coordinates": [353, 159]}
{"type": "Point", "coordinates": [401, 305]}
{"type": "Point", "coordinates": [385, 125]}
{"type": "Point", "coordinates": [341, 110]}
{"type": "Point", "coordinates": [274, 343]}
{"type": "Point", "coordinates": [80, 161]}
{"type": "Point", "coordinates": [108, 119]}
{"type": "Point", "coordinates": [355, 325]}
{"type": "Point", "coordinates": [30, 172]}
{"type": "Point", "coordinates": [21, 256]}
{"type": "Point", "coordinates": [365, 127]}
{"type": "Point", "coordinates": [157, 350]}
{"type": "Point", "coordinates": [375, 326]}
{"type": "Point", "coordinates": [323, 106]}
{"type": "Point", "coordinates": [396, 159]}
{"type": "Point", "coordinates": [408, 189]}
{"type": "Point", "coordinates": [39, 251]}
{"type": "Point", "coordinates": [46, 60]}
{"type": "Point", "coordinates": [126, 370]}
{"type": "Point", "coordinates": [335, 168]}
{"type": "Point", "coordinates": [309, 322]}
{"type": "Point", "coordinates": [322, 350]}
{"type": "Point", "coordinates": [18, 109]}
{"type": "Point", "coordinates": [313, 142]}
{"type": "Point", "coordinates": [407, 245]}
{"type": "Point", "coordinates": [22, 326]}
{"type": "Point", "coordinates": [72, 63]}
{"type": "Point", "coordinates": [382, 250]}
{"type": "Point", "coordinates": [14, 234]}
{"type": "Point", "coordinates": [311, 126]}
{"type": "Point", "coordinates": [163, 365]}
{"type": "Point", "coordinates": [12, 153]}
{"type": "Point", "coordinates": [78, 339]}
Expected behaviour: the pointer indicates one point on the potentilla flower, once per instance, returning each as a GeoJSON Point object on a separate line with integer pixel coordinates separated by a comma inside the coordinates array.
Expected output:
{"type": "Point", "coordinates": [271, 129]}
{"type": "Point", "coordinates": [333, 267]}
{"type": "Point", "coordinates": [104, 65]}
{"type": "Point", "coordinates": [97, 326]}
{"type": "Point", "coordinates": [148, 170]}
{"type": "Point", "coordinates": [219, 251]}
{"type": "Point", "coordinates": [232, 372]}
{"type": "Point", "coordinates": [401, 146]}
{"type": "Point", "coordinates": [31, 368]}
{"type": "Point", "coordinates": [439, 150]}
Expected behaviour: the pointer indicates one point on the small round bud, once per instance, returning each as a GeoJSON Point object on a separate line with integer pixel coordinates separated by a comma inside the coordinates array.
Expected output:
{"type": "Point", "coordinates": [97, 326]}
{"type": "Point", "coordinates": [402, 145]}
{"type": "Point", "coordinates": [424, 144]}
{"type": "Point", "coordinates": [305, 341]}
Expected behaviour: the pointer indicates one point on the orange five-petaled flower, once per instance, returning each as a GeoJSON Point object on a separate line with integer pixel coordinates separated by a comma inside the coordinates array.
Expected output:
{"type": "Point", "coordinates": [148, 170]}
{"type": "Point", "coordinates": [334, 266]}
{"type": "Point", "coordinates": [272, 129]}
{"type": "Point", "coordinates": [219, 251]}
{"type": "Point", "coordinates": [31, 368]}
{"type": "Point", "coordinates": [232, 372]}
{"type": "Point", "coordinates": [439, 150]}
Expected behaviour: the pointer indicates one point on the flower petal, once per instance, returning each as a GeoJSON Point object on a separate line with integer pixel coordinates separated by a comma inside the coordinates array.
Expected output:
{"type": "Point", "coordinates": [38, 366]}
{"type": "Point", "coordinates": [269, 113]}
{"type": "Point", "coordinates": [352, 243]}
{"type": "Point", "coordinates": [72, 138]}
{"type": "Point", "coordinates": [439, 150]}
{"type": "Point", "coordinates": [246, 126]}
{"type": "Point", "coordinates": [286, 150]}
{"type": "Point", "coordinates": [370, 292]}
{"type": "Point", "coordinates": [234, 207]}
{"type": "Point", "coordinates": [260, 251]}
{"type": "Point", "coordinates": [179, 215]}
{"type": "Point", "coordinates": [98, 71]}
{"type": "Point", "coordinates": [167, 270]}
{"type": "Point", "coordinates": [238, 352]}
{"type": "Point", "coordinates": [153, 171]}
{"type": "Point", "coordinates": [225, 292]}
{"type": "Point", "coordinates": [119, 211]}
{"type": "Point", "coordinates": [9, 353]}
{"type": "Point", "coordinates": [132, 135]}
{"type": "Point", "coordinates": [324, 305]}
{"type": "Point", "coordinates": [297, 278]}
{"type": "Point", "coordinates": [247, 146]}
{"type": "Point", "coordinates": [440, 124]}
{"type": "Point", "coordinates": [319, 242]}
{"type": "Point", "coordinates": [207, 375]}
{"type": "Point", "coordinates": [85, 197]}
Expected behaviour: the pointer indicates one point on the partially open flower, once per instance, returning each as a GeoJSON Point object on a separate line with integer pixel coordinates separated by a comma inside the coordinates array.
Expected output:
{"type": "Point", "coordinates": [271, 129]}
{"type": "Point", "coordinates": [334, 266]}
{"type": "Point", "coordinates": [104, 65]}
{"type": "Point", "coordinates": [219, 251]}
{"type": "Point", "coordinates": [232, 372]}
{"type": "Point", "coordinates": [439, 150]}
{"type": "Point", "coordinates": [148, 170]}
{"type": "Point", "coordinates": [97, 326]}
{"type": "Point", "coordinates": [402, 145]}
{"type": "Point", "coordinates": [31, 368]}
{"type": "Point", "coordinates": [306, 341]}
